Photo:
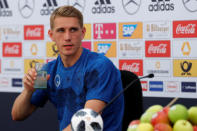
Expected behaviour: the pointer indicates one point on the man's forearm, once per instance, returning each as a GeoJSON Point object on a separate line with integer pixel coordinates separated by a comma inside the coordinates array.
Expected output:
{"type": "Point", "coordinates": [22, 107]}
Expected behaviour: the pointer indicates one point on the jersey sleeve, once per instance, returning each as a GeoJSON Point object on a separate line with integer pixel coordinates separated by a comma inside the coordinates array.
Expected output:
{"type": "Point", "coordinates": [103, 81]}
{"type": "Point", "coordinates": [39, 97]}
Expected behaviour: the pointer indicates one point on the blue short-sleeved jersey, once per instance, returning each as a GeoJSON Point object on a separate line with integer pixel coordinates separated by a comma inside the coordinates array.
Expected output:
{"type": "Point", "coordinates": [93, 76]}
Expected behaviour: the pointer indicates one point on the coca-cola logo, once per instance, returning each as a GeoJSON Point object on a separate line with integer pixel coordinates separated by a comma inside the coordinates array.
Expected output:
{"type": "Point", "coordinates": [34, 32]}
{"type": "Point", "coordinates": [188, 29]}
{"type": "Point", "coordinates": [12, 49]}
{"type": "Point", "coordinates": [135, 66]}
{"type": "Point", "coordinates": [157, 48]}
{"type": "Point", "coordinates": [183, 29]}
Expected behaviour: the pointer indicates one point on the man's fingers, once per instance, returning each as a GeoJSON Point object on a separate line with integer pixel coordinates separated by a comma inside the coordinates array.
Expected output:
{"type": "Point", "coordinates": [48, 76]}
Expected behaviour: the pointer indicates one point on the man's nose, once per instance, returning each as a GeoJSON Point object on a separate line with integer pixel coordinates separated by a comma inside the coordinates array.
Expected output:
{"type": "Point", "coordinates": [67, 35]}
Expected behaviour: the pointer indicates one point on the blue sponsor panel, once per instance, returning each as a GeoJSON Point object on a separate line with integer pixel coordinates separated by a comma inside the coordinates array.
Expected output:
{"type": "Point", "coordinates": [17, 82]}
{"type": "Point", "coordinates": [156, 86]}
{"type": "Point", "coordinates": [188, 86]}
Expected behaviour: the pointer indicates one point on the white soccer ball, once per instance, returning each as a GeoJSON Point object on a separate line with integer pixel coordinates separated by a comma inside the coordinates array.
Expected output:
{"type": "Point", "coordinates": [86, 120]}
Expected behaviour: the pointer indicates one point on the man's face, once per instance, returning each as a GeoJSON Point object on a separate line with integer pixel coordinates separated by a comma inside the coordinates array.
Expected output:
{"type": "Point", "coordinates": [67, 34]}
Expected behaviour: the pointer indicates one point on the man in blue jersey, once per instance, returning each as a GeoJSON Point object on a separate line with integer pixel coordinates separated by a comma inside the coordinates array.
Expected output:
{"type": "Point", "coordinates": [78, 78]}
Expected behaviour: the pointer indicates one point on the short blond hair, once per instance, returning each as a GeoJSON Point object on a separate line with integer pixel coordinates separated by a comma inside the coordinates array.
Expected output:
{"type": "Point", "coordinates": [66, 11]}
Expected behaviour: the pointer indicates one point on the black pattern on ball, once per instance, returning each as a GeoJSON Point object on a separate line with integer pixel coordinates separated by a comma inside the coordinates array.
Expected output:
{"type": "Point", "coordinates": [81, 126]}
{"type": "Point", "coordinates": [96, 126]}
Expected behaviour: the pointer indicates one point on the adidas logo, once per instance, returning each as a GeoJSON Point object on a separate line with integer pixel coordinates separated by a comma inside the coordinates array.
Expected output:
{"type": "Point", "coordinates": [102, 2]}
{"type": "Point", "coordinates": [4, 9]}
{"type": "Point", "coordinates": [103, 6]}
{"type": "Point", "coordinates": [48, 7]}
{"type": "Point", "coordinates": [161, 5]}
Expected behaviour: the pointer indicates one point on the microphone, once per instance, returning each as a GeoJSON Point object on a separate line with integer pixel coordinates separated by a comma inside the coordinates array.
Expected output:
{"type": "Point", "coordinates": [131, 83]}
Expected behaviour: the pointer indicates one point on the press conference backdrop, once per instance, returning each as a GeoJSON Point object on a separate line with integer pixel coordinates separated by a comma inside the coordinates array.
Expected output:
{"type": "Point", "coordinates": [142, 36]}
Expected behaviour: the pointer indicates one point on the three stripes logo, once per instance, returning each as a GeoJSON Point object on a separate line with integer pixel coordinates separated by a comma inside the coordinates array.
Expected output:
{"type": "Point", "coordinates": [4, 9]}
{"type": "Point", "coordinates": [161, 5]}
{"type": "Point", "coordinates": [103, 6]}
{"type": "Point", "coordinates": [48, 7]}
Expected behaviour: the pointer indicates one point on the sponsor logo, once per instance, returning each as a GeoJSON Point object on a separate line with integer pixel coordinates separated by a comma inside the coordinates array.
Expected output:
{"type": "Point", "coordinates": [106, 48]}
{"type": "Point", "coordinates": [190, 5]}
{"type": "Point", "coordinates": [183, 48]}
{"type": "Point", "coordinates": [34, 32]}
{"type": "Point", "coordinates": [156, 86]}
{"type": "Point", "coordinates": [30, 63]}
{"type": "Point", "coordinates": [132, 30]}
{"type": "Point", "coordinates": [103, 6]}
{"type": "Point", "coordinates": [86, 45]}
{"type": "Point", "coordinates": [17, 82]}
{"type": "Point", "coordinates": [48, 7]}
{"type": "Point", "coordinates": [161, 5]}
{"type": "Point", "coordinates": [157, 48]}
{"type": "Point", "coordinates": [57, 80]}
{"type": "Point", "coordinates": [105, 31]}
{"type": "Point", "coordinates": [185, 29]}
{"type": "Point", "coordinates": [172, 86]}
{"type": "Point", "coordinates": [135, 66]}
{"type": "Point", "coordinates": [26, 8]}
{"type": "Point", "coordinates": [12, 49]}
{"type": "Point", "coordinates": [132, 6]}
{"type": "Point", "coordinates": [185, 68]}
{"type": "Point", "coordinates": [12, 66]}
{"type": "Point", "coordinates": [11, 33]}
{"type": "Point", "coordinates": [144, 85]}
{"type": "Point", "coordinates": [34, 49]}
{"type": "Point", "coordinates": [188, 86]}
{"type": "Point", "coordinates": [79, 4]}
{"type": "Point", "coordinates": [4, 9]}
{"type": "Point", "coordinates": [4, 82]}
{"type": "Point", "coordinates": [130, 48]}
{"type": "Point", "coordinates": [186, 48]}
{"type": "Point", "coordinates": [157, 67]}
{"type": "Point", "coordinates": [157, 29]}
{"type": "Point", "coordinates": [51, 49]}
{"type": "Point", "coordinates": [88, 32]}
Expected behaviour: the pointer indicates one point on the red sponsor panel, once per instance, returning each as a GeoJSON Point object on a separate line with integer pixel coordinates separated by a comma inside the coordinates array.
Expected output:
{"type": "Point", "coordinates": [185, 29]}
{"type": "Point", "coordinates": [135, 66]}
{"type": "Point", "coordinates": [12, 49]}
{"type": "Point", "coordinates": [157, 48]}
{"type": "Point", "coordinates": [105, 31]}
{"type": "Point", "coordinates": [34, 32]}
{"type": "Point", "coordinates": [87, 45]}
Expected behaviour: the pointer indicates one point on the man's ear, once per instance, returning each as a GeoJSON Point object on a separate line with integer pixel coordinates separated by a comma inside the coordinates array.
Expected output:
{"type": "Point", "coordinates": [84, 32]}
{"type": "Point", "coordinates": [50, 33]}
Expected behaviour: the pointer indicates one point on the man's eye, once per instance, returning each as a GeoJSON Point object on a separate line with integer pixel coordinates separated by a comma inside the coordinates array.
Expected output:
{"type": "Point", "coordinates": [74, 29]}
{"type": "Point", "coordinates": [60, 30]}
